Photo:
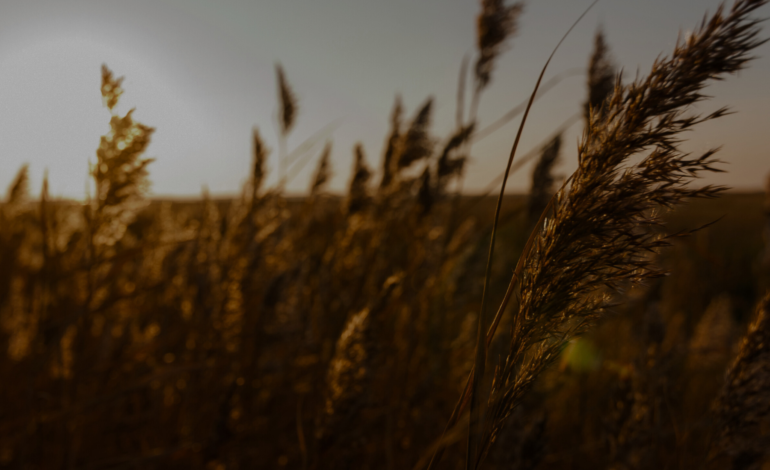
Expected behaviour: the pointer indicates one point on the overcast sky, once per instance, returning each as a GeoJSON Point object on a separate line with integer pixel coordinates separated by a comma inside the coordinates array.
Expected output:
{"type": "Point", "coordinates": [202, 73]}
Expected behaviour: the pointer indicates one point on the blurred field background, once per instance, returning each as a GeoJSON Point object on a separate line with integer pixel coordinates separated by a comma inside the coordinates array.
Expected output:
{"type": "Point", "coordinates": [189, 344]}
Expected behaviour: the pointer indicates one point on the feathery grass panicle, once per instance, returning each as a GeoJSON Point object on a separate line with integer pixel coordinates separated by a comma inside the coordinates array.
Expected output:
{"type": "Point", "coordinates": [287, 115]}
{"type": "Point", "coordinates": [460, 111]}
{"type": "Point", "coordinates": [358, 194]}
{"type": "Point", "coordinates": [389, 158]}
{"type": "Point", "coordinates": [541, 188]}
{"type": "Point", "coordinates": [448, 163]}
{"type": "Point", "coordinates": [712, 337]}
{"type": "Point", "coordinates": [416, 143]}
{"type": "Point", "coordinates": [426, 196]}
{"type": "Point", "coordinates": [601, 76]}
{"type": "Point", "coordinates": [260, 154]}
{"type": "Point", "coordinates": [348, 370]}
{"type": "Point", "coordinates": [111, 88]}
{"type": "Point", "coordinates": [18, 192]}
{"type": "Point", "coordinates": [45, 217]}
{"type": "Point", "coordinates": [120, 173]}
{"type": "Point", "coordinates": [323, 172]}
{"type": "Point", "coordinates": [743, 406]}
{"type": "Point", "coordinates": [357, 356]}
{"type": "Point", "coordinates": [287, 110]}
{"type": "Point", "coordinates": [601, 227]}
{"type": "Point", "coordinates": [494, 25]}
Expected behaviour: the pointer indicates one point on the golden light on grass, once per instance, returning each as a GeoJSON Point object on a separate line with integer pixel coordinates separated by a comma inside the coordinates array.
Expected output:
{"type": "Point", "coordinates": [330, 331]}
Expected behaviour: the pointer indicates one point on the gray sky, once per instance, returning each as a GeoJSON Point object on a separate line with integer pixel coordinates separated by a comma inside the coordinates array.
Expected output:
{"type": "Point", "coordinates": [201, 73]}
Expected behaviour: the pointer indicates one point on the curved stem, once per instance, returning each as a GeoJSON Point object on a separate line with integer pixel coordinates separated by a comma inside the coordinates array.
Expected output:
{"type": "Point", "coordinates": [475, 426]}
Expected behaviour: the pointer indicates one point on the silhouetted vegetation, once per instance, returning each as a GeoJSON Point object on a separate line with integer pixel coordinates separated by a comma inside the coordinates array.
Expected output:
{"type": "Point", "coordinates": [349, 331]}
